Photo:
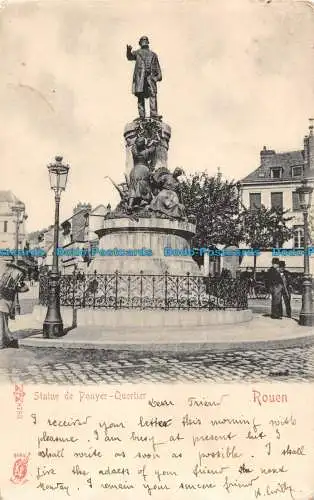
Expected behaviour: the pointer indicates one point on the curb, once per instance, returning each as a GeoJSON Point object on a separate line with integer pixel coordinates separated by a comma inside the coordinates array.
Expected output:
{"type": "Point", "coordinates": [38, 342]}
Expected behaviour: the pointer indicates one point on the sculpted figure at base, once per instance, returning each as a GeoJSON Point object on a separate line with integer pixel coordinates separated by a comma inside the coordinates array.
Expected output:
{"type": "Point", "coordinates": [140, 192]}
{"type": "Point", "coordinates": [168, 199]}
{"type": "Point", "coordinates": [146, 74]}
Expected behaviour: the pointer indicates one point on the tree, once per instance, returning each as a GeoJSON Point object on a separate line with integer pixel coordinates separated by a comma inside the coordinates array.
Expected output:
{"type": "Point", "coordinates": [265, 228]}
{"type": "Point", "coordinates": [214, 203]}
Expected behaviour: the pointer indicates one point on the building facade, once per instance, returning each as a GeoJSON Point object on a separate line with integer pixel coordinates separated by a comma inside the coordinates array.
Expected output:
{"type": "Point", "coordinates": [8, 222]}
{"type": "Point", "coordinates": [274, 184]}
{"type": "Point", "coordinates": [76, 233]}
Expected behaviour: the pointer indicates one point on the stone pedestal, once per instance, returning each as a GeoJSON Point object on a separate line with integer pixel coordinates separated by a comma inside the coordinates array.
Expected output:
{"type": "Point", "coordinates": [152, 234]}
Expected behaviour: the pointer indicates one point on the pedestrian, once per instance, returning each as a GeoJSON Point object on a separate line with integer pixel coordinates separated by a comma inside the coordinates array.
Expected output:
{"type": "Point", "coordinates": [286, 290]}
{"type": "Point", "coordinates": [252, 283]}
{"type": "Point", "coordinates": [275, 286]}
{"type": "Point", "coordinates": [11, 281]}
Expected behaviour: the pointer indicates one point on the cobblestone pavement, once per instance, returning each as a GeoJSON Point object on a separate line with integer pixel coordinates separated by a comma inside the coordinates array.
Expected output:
{"type": "Point", "coordinates": [76, 366]}
{"type": "Point", "coordinates": [264, 305]}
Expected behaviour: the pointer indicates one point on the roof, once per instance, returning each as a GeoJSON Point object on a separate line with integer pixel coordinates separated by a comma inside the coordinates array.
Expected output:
{"type": "Point", "coordinates": [9, 197]}
{"type": "Point", "coordinates": [270, 159]}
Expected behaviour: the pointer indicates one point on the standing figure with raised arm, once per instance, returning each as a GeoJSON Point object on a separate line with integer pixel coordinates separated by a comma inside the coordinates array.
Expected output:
{"type": "Point", "coordinates": [146, 74]}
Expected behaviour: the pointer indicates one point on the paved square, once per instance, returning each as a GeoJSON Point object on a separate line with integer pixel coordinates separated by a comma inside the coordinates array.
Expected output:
{"type": "Point", "coordinates": [77, 366]}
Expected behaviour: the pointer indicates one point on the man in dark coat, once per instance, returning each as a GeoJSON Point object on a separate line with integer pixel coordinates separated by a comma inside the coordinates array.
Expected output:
{"type": "Point", "coordinates": [146, 74]}
{"type": "Point", "coordinates": [11, 281]}
{"type": "Point", "coordinates": [275, 285]}
{"type": "Point", "coordinates": [286, 290]}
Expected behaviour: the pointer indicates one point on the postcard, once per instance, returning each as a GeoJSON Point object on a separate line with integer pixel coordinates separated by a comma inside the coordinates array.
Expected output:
{"type": "Point", "coordinates": [156, 249]}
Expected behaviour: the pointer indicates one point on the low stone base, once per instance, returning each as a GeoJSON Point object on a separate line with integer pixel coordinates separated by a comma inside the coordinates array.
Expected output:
{"type": "Point", "coordinates": [260, 333]}
{"type": "Point", "coordinates": [128, 318]}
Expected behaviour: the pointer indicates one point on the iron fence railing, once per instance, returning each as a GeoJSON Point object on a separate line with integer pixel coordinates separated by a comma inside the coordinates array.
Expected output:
{"type": "Point", "coordinates": [142, 291]}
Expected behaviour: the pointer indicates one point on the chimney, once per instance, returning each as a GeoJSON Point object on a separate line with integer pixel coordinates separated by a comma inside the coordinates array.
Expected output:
{"type": "Point", "coordinates": [79, 220]}
{"type": "Point", "coordinates": [306, 150]}
{"type": "Point", "coordinates": [266, 156]}
{"type": "Point", "coordinates": [82, 206]}
{"type": "Point", "coordinates": [311, 148]}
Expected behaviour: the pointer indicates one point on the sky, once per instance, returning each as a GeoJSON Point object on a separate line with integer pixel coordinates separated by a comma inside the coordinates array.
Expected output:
{"type": "Point", "coordinates": [237, 75]}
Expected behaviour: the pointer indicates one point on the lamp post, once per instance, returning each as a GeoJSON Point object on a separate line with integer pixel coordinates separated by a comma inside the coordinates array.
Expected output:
{"type": "Point", "coordinates": [53, 325]}
{"type": "Point", "coordinates": [19, 211]}
{"type": "Point", "coordinates": [306, 315]}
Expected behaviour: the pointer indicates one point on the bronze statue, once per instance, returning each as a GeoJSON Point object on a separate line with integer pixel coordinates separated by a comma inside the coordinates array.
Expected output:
{"type": "Point", "coordinates": [168, 199]}
{"type": "Point", "coordinates": [146, 74]}
{"type": "Point", "coordinates": [140, 192]}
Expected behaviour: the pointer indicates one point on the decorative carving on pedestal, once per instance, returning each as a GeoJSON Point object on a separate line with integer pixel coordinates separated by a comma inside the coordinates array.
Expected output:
{"type": "Point", "coordinates": [150, 189]}
{"type": "Point", "coordinates": [154, 132]}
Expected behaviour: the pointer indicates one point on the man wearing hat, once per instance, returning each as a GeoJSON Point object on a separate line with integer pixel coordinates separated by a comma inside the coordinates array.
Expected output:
{"type": "Point", "coordinates": [11, 281]}
{"type": "Point", "coordinates": [286, 290]}
{"type": "Point", "coordinates": [146, 74]}
{"type": "Point", "coordinates": [275, 285]}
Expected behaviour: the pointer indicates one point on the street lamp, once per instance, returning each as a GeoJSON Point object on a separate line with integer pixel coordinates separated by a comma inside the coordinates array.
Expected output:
{"type": "Point", "coordinates": [306, 315]}
{"type": "Point", "coordinates": [19, 211]}
{"type": "Point", "coordinates": [53, 325]}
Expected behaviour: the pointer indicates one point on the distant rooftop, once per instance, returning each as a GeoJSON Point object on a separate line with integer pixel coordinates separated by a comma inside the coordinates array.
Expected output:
{"type": "Point", "coordinates": [285, 161]}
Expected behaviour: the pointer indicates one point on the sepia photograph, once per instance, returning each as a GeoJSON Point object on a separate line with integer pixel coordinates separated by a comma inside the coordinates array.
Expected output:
{"type": "Point", "coordinates": [156, 249]}
{"type": "Point", "coordinates": [156, 213]}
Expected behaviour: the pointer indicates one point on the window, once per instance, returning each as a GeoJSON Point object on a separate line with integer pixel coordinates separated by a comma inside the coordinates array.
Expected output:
{"type": "Point", "coordinates": [298, 237]}
{"type": "Point", "coordinates": [276, 200]}
{"type": "Point", "coordinates": [297, 171]}
{"type": "Point", "coordinates": [5, 226]}
{"type": "Point", "coordinates": [275, 173]}
{"type": "Point", "coordinates": [255, 201]}
{"type": "Point", "coordinates": [295, 202]}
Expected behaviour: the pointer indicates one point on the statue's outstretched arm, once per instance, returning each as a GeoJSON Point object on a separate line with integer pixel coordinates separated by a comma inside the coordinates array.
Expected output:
{"type": "Point", "coordinates": [130, 54]}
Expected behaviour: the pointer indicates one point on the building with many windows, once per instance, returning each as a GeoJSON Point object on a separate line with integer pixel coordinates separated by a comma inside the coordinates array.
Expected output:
{"type": "Point", "coordinates": [274, 184]}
